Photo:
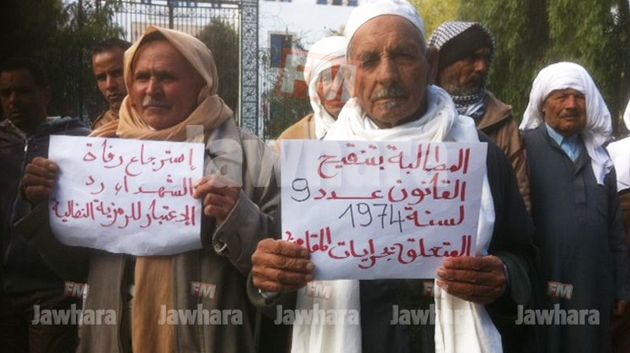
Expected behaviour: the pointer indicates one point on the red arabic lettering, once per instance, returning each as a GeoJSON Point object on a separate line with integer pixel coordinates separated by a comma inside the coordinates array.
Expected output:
{"type": "Point", "coordinates": [110, 214]}
{"type": "Point", "coordinates": [91, 182]}
{"type": "Point", "coordinates": [449, 222]}
{"type": "Point", "coordinates": [428, 157]}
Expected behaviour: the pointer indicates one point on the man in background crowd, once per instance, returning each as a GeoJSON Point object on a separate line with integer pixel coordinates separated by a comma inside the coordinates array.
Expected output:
{"type": "Point", "coordinates": [465, 51]}
{"type": "Point", "coordinates": [32, 281]}
{"type": "Point", "coordinates": [575, 207]}
{"type": "Point", "coordinates": [107, 65]}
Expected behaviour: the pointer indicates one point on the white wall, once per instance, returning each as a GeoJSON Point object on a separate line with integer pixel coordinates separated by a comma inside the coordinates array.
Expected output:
{"type": "Point", "coordinates": [304, 18]}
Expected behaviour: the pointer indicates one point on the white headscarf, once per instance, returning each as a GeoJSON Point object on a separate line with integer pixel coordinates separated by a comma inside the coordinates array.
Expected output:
{"type": "Point", "coordinates": [598, 129]}
{"type": "Point", "coordinates": [373, 8]}
{"type": "Point", "coordinates": [324, 54]}
{"type": "Point", "coordinates": [620, 154]}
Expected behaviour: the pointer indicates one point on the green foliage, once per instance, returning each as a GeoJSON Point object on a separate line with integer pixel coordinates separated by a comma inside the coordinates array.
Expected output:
{"type": "Point", "coordinates": [223, 41]}
{"type": "Point", "coordinates": [70, 56]}
{"type": "Point", "coordinates": [435, 12]}
{"type": "Point", "coordinates": [596, 43]}
{"type": "Point", "coordinates": [534, 33]}
{"type": "Point", "coordinates": [60, 38]}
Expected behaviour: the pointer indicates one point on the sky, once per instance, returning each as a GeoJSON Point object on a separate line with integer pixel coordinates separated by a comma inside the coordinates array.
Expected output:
{"type": "Point", "coordinates": [304, 18]}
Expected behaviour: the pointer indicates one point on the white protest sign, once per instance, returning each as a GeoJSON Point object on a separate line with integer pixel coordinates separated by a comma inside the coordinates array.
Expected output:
{"type": "Point", "coordinates": [126, 196]}
{"type": "Point", "coordinates": [368, 210]}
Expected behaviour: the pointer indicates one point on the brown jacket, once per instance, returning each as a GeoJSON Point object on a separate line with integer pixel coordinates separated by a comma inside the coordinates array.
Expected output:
{"type": "Point", "coordinates": [104, 118]}
{"type": "Point", "coordinates": [211, 280]}
{"type": "Point", "coordinates": [302, 130]}
{"type": "Point", "coordinates": [499, 125]}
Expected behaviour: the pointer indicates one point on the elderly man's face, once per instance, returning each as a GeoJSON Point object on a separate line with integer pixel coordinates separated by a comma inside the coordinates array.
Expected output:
{"type": "Point", "coordinates": [392, 70]}
{"type": "Point", "coordinates": [164, 86]}
{"type": "Point", "coordinates": [108, 71]}
{"type": "Point", "coordinates": [330, 90]}
{"type": "Point", "coordinates": [565, 111]}
{"type": "Point", "coordinates": [466, 76]}
{"type": "Point", "coordinates": [23, 101]}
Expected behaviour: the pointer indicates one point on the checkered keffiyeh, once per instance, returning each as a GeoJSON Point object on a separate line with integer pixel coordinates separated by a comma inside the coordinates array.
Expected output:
{"type": "Point", "coordinates": [449, 30]}
{"type": "Point", "coordinates": [456, 40]}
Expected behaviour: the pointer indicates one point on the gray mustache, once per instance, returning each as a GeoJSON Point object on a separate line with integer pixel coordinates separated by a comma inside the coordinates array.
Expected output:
{"type": "Point", "coordinates": [394, 91]}
{"type": "Point", "coordinates": [154, 102]}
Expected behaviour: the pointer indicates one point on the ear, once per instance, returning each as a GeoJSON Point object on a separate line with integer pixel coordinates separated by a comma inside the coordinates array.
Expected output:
{"type": "Point", "coordinates": [432, 59]}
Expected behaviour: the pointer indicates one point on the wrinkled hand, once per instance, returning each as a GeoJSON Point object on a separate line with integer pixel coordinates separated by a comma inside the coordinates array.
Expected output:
{"type": "Point", "coordinates": [620, 307]}
{"type": "Point", "coordinates": [40, 177]}
{"type": "Point", "coordinates": [477, 279]}
{"type": "Point", "coordinates": [281, 266]}
{"type": "Point", "coordinates": [219, 196]}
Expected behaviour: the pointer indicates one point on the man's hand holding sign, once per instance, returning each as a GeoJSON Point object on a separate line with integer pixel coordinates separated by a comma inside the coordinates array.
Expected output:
{"type": "Point", "coordinates": [219, 196]}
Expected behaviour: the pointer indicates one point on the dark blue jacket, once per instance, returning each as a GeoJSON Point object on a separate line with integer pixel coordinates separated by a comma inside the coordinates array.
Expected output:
{"type": "Point", "coordinates": [22, 268]}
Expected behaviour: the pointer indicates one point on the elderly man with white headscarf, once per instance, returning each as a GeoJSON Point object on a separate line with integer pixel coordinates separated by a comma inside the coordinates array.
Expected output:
{"type": "Point", "coordinates": [323, 75]}
{"type": "Point", "coordinates": [393, 101]}
{"type": "Point", "coordinates": [575, 208]}
{"type": "Point", "coordinates": [172, 83]}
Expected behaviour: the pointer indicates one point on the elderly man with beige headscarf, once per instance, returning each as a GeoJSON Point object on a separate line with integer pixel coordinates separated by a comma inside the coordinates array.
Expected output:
{"type": "Point", "coordinates": [394, 101]}
{"type": "Point", "coordinates": [171, 78]}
